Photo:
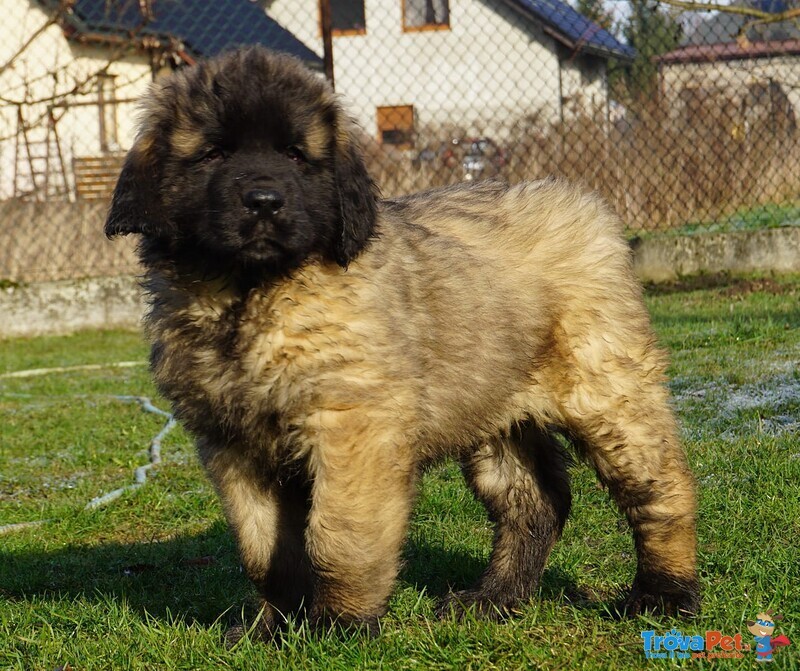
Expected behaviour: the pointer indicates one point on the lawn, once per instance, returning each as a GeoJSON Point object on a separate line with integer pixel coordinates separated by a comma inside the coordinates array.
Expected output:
{"type": "Point", "coordinates": [150, 580]}
{"type": "Point", "coordinates": [757, 218]}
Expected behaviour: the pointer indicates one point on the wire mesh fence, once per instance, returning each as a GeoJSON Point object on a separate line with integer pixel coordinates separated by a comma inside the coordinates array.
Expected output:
{"type": "Point", "coordinates": [684, 119]}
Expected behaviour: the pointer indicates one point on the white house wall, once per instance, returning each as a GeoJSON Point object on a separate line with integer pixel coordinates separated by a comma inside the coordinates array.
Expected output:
{"type": "Point", "coordinates": [44, 74]}
{"type": "Point", "coordinates": [583, 85]}
{"type": "Point", "coordinates": [488, 70]}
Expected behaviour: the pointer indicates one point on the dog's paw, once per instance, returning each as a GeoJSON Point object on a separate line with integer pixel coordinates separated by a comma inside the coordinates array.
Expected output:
{"type": "Point", "coordinates": [259, 627]}
{"type": "Point", "coordinates": [326, 622]}
{"type": "Point", "coordinates": [475, 603]}
{"type": "Point", "coordinates": [661, 594]}
{"type": "Point", "coordinates": [233, 635]}
{"type": "Point", "coordinates": [257, 633]}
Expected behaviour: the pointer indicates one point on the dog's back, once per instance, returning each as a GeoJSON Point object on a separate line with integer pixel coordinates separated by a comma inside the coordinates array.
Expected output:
{"type": "Point", "coordinates": [509, 293]}
{"type": "Point", "coordinates": [546, 219]}
{"type": "Point", "coordinates": [554, 243]}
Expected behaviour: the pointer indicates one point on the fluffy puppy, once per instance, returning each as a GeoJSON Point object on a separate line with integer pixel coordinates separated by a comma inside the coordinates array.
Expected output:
{"type": "Point", "coordinates": [323, 345]}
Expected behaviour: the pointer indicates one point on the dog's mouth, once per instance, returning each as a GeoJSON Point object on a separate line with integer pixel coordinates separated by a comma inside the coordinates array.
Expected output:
{"type": "Point", "coordinates": [245, 239]}
{"type": "Point", "coordinates": [260, 234]}
{"type": "Point", "coordinates": [261, 247]}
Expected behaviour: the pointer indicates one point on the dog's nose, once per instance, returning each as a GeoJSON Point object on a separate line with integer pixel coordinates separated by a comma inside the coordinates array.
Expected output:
{"type": "Point", "coordinates": [263, 200]}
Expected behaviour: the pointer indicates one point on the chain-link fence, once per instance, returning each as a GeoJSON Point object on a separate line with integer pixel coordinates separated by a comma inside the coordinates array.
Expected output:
{"type": "Point", "coordinates": [685, 120]}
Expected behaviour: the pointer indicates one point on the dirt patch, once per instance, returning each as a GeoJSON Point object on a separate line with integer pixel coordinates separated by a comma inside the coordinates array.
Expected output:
{"type": "Point", "coordinates": [727, 285]}
{"type": "Point", "coordinates": [763, 285]}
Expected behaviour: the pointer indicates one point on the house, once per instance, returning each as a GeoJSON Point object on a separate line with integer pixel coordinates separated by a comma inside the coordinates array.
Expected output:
{"type": "Point", "coordinates": [71, 74]}
{"type": "Point", "coordinates": [753, 85]}
{"type": "Point", "coordinates": [414, 68]}
{"type": "Point", "coordinates": [71, 71]}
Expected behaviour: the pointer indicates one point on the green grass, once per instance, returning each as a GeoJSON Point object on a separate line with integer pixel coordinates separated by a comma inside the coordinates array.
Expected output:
{"type": "Point", "coordinates": [760, 217]}
{"type": "Point", "coordinates": [122, 587]}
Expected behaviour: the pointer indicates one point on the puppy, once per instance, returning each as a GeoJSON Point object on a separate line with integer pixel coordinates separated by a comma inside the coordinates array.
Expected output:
{"type": "Point", "coordinates": [322, 346]}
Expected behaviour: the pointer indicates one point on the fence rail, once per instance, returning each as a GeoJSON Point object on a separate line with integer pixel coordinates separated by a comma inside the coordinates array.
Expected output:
{"type": "Point", "coordinates": [684, 121]}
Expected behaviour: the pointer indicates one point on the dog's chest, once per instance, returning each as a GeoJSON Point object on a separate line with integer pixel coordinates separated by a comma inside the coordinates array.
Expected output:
{"type": "Point", "coordinates": [241, 368]}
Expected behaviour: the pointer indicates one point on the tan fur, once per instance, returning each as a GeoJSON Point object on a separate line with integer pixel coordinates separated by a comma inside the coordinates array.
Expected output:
{"type": "Point", "coordinates": [317, 139]}
{"type": "Point", "coordinates": [186, 141]}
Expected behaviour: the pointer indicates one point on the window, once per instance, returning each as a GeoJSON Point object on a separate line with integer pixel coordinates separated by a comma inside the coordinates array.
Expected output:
{"type": "Point", "coordinates": [426, 14]}
{"type": "Point", "coordinates": [107, 108]}
{"type": "Point", "coordinates": [396, 126]}
{"type": "Point", "coordinates": [348, 17]}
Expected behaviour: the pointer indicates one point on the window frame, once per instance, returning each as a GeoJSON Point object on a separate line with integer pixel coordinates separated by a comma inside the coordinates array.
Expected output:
{"type": "Point", "coordinates": [387, 110]}
{"type": "Point", "coordinates": [343, 32]}
{"type": "Point", "coordinates": [107, 108]}
{"type": "Point", "coordinates": [426, 27]}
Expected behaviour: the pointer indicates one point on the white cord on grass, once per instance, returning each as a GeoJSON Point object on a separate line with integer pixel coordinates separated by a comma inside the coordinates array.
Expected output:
{"type": "Point", "coordinates": [35, 372]}
{"type": "Point", "coordinates": [139, 474]}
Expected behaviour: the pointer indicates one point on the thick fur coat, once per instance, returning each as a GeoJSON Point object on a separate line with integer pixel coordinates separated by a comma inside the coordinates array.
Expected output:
{"type": "Point", "coordinates": [323, 346]}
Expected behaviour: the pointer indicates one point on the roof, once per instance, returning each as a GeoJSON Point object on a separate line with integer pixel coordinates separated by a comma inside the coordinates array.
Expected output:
{"type": "Point", "coordinates": [203, 28]}
{"type": "Point", "coordinates": [573, 29]}
{"type": "Point", "coordinates": [728, 51]}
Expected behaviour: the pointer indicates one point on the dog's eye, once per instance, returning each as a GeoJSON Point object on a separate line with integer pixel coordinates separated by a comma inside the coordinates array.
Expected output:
{"type": "Point", "coordinates": [211, 155]}
{"type": "Point", "coordinates": [295, 154]}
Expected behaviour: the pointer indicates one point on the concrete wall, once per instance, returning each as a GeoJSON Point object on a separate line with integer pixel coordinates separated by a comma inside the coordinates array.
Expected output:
{"type": "Point", "coordinates": [53, 240]}
{"type": "Point", "coordinates": [63, 307]}
{"type": "Point", "coordinates": [663, 258]}
{"type": "Point", "coordinates": [68, 306]}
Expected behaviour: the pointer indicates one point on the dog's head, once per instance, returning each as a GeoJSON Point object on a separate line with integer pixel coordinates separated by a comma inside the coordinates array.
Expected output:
{"type": "Point", "coordinates": [246, 159]}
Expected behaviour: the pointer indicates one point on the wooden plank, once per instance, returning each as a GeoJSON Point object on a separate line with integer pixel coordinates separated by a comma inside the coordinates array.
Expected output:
{"type": "Point", "coordinates": [96, 176]}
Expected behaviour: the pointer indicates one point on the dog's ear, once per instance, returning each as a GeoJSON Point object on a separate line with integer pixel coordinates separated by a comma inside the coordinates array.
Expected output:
{"type": "Point", "coordinates": [358, 199]}
{"type": "Point", "coordinates": [136, 204]}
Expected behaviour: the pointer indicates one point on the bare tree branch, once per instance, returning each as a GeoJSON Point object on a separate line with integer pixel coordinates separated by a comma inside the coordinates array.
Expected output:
{"type": "Point", "coordinates": [788, 15]}
{"type": "Point", "coordinates": [51, 21]}
{"type": "Point", "coordinates": [58, 98]}
{"type": "Point", "coordinates": [758, 16]}
{"type": "Point", "coordinates": [79, 85]}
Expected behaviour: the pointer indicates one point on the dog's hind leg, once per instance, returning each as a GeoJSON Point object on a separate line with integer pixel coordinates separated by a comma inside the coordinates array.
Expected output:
{"type": "Point", "coordinates": [623, 424]}
{"type": "Point", "coordinates": [522, 480]}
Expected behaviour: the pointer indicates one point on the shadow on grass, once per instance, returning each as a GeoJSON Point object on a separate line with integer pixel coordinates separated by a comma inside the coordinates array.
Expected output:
{"type": "Point", "coordinates": [439, 570]}
{"type": "Point", "coordinates": [198, 577]}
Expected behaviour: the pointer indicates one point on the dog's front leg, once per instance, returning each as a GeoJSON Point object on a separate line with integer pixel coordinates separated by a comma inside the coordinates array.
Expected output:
{"type": "Point", "coordinates": [363, 477]}
{"type": "Point", "coordinates": [267, 512]}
